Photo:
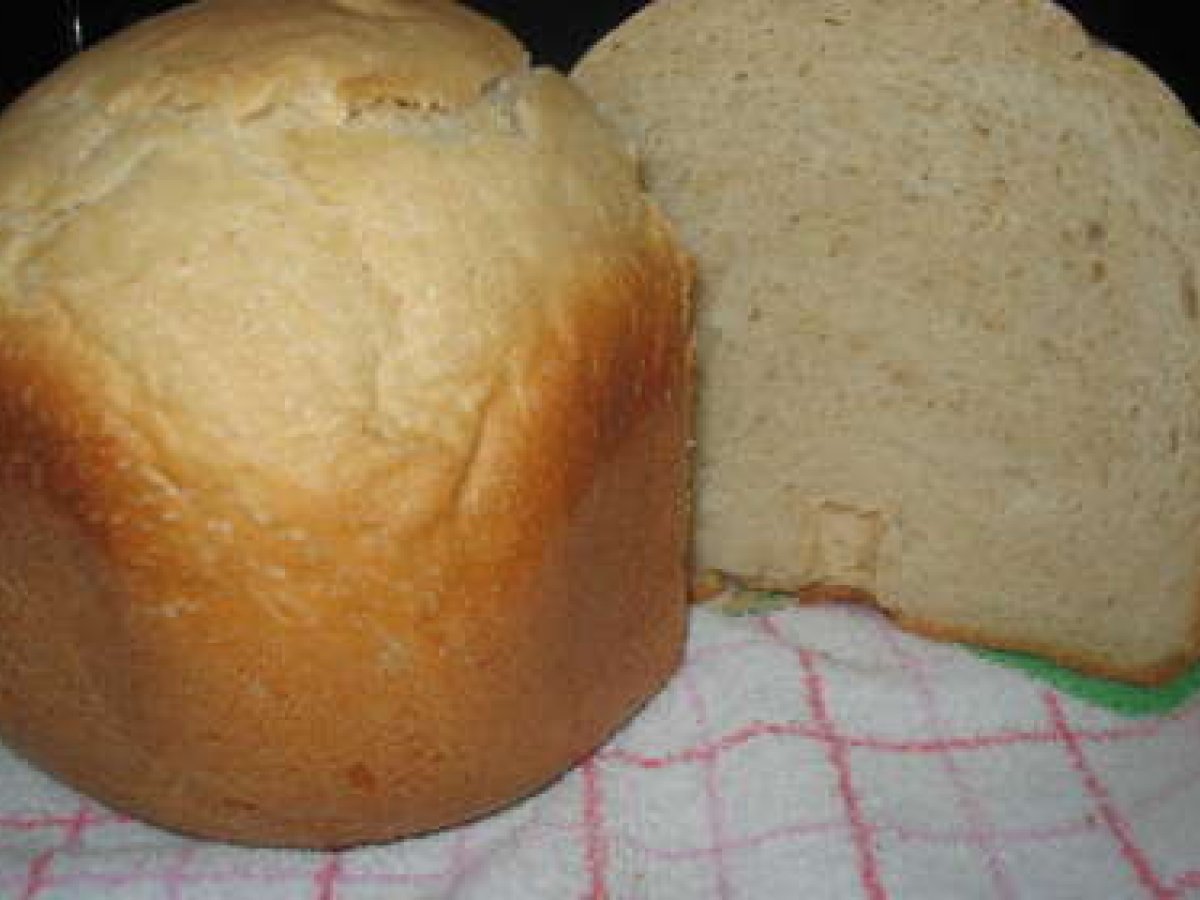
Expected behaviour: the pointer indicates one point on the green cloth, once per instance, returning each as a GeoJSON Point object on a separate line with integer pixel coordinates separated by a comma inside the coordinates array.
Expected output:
{"type": "Point", "coordinates": [1126, 699]}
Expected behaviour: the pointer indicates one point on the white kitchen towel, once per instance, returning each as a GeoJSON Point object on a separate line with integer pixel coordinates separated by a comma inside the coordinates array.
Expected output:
{"type": "Point", "coordinates": [807, 753]}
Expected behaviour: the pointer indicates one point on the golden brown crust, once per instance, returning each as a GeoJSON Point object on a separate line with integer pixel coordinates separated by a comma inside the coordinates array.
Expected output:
{"type": "Point", "coordinates": [244, 57]}
{"type": "Point", "coordinates": [427, 598]}
{"type": "Point", "coordinates": [391, 680]}
{"type": "Point", "coordinates": [1096, 665]}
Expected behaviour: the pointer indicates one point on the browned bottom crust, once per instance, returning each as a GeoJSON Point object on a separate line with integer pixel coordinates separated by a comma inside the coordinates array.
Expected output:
{"type": "Point", "coordinates": [711, 583]}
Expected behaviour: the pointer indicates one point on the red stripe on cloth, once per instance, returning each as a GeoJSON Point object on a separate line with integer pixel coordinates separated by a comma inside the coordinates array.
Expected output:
{"type": "Point", "coordinates": [32, 823]}
{"type": "Point", "coordinates": [712, 792]}
{"type": "Point", "coordinates": [705, 751]}
{"type": "Point", "coordinates": [1187, 881]}
{"type": "Point", "coordinates": [701, 655]}
{"type": "Point", "coordinates": [175, 877]}
{"type": "Point", "coordinates": [595, 837]}
{"type": "Point", "coordinates": [459, 866]}
{"type": "Point", "coordinates": [1113, 818]}
{"type": "Point", "coordinates": [981, 832]}
{"type": "Point", "coordinates": [839, 756]}
{"type": "Point", "coordinates": [326, 878]}
{"type": "Point", "coordinates": [756, 730]}
{"type": "Point", "coordinates": [778, 834]}
{"type": "Point", "coordinates": [37, 877]}
{"type": "Point", "coordinates": [240, 881]}
{"type": "Point", "coordinates": [79, 823]}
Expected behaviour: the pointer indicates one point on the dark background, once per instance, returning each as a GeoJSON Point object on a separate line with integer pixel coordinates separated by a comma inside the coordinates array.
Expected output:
{"type": "Point", "coordinates": [40, 34]}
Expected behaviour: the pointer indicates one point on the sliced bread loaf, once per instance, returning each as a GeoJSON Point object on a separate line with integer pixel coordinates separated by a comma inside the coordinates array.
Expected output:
{"type": "Point", "coordinates": [949, 312]}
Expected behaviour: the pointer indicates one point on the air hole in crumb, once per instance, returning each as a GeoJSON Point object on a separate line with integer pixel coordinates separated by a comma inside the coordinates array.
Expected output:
{"type": "Point", "coordinates": [1096, 231]}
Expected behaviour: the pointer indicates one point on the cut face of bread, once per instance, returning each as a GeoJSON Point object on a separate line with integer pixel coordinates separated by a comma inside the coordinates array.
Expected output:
{"type": "Point", "coordinates": [949, 257]}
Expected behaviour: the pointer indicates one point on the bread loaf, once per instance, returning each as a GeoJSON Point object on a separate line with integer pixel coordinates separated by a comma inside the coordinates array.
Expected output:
{"type": "Point", "coordinates": [949, 326]}
{"type": "Point", "coordinates": [344, 395]}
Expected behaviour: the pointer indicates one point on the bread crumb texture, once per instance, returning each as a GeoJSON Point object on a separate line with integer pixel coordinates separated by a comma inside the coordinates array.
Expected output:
{"type": "Point", "coordinates": [343, 407]}
{"type": "Point", "coordinates": [949, 343]}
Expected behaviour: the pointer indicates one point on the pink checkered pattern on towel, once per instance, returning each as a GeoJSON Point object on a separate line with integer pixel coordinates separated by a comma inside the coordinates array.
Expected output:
{"type": "Point", "coordinates": [809, 753]}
